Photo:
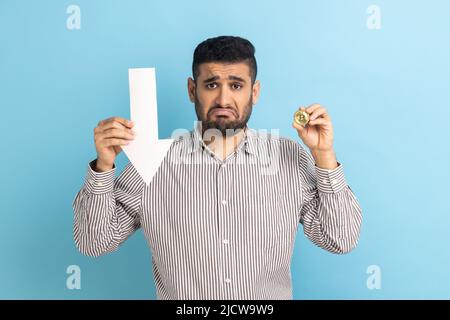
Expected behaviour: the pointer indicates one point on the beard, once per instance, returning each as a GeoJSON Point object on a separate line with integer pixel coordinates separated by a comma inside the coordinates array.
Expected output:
{"type": "Point", "coordinates": [222, 123]}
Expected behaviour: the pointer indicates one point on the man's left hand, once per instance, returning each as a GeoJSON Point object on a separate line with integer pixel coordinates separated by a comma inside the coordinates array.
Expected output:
{"type": "Point", "coordinates": [317, 135]}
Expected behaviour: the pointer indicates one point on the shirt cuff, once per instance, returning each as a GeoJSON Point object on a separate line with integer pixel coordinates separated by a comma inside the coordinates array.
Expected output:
{"type": "Point", "coordinates": [330, 181]}
{"type": "Point", "coordinates": [99, 182]}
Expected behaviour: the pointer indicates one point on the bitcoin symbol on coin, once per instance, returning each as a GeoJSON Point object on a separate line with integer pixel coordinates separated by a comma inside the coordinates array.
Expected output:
{"type": "Point", "coordinates": [301, 118]}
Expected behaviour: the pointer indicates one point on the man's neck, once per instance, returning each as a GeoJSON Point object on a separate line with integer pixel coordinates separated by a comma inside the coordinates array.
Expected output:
{"type": "Point", "coordinates": [226, 145]}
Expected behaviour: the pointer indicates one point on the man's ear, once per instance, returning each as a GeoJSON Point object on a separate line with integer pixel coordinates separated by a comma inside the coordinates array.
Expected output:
{"type": "Point", "coordinates": [191, 89]}
{"type": "Point", "coordinates": [255, 91]}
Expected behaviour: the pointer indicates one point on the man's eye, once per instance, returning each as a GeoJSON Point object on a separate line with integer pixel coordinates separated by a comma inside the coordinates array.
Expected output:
{"type": "Point", "coordinates": [237, 86]}
{"type": "Point", "coordinates": [211, 85]}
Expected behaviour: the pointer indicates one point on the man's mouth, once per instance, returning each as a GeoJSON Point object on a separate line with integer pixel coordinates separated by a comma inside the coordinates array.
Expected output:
{"type": "Point", "coordinates": [222, 112]}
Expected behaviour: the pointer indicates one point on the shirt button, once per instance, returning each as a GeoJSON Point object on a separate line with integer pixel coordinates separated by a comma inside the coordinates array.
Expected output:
{"type": "Point", "coordinates": [100, 184]}
{"type": "Point", "coordinates": [224, 202]}
{"type": "Point", "coordinates": [222, 165]}
{"type": "Point", "coordinates": [333, 181]}
{"type": "Point", "coordinates": [228, 280]}
{"type": "Point", "coordinates": [324, 180]}
{"type": "Point", "coordinates": [225, 241]}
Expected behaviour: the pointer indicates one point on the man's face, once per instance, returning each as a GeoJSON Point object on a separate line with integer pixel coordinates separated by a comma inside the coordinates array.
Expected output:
{"type": "Point", "coordinates": [223, 95]}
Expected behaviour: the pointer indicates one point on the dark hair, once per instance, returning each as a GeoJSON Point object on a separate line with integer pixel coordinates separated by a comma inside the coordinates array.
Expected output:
{"type": "Point", "coordinates": [225, 49]}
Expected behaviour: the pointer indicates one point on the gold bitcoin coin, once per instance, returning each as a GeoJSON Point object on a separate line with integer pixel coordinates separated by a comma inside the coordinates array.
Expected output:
{"type": "Point", "coordinates": [301, 118]}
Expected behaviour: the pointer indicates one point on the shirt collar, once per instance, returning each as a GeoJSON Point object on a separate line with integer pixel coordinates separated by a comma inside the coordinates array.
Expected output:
{"type": "Point", "coordinates": [197, 143]}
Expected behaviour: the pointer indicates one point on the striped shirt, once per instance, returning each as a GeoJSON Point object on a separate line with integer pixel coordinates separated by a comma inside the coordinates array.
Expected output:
{"type": "Point", "coordinates": [220, 229]}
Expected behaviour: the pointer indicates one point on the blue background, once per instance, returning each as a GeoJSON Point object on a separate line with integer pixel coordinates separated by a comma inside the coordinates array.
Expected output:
{"type": "Point", "coordinates": [386, 90]}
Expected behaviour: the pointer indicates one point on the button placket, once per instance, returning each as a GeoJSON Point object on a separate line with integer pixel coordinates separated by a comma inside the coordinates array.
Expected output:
{"type": "Point", "coordinates": [224, 225]}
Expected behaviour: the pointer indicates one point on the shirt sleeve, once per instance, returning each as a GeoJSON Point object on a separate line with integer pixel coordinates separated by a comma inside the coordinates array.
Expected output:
{"type": "Point", "coordinates": [106, 209]}
{"type": "Point", "coordinates": [330, 213]}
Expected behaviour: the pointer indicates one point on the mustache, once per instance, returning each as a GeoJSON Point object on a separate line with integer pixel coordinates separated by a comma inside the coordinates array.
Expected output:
{"type": "Point", "coordinates": [226, 108]}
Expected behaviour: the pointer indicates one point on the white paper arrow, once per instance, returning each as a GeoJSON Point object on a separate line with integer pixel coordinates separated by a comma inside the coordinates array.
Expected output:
{"type": "Point", "coordinates": [146, 151]}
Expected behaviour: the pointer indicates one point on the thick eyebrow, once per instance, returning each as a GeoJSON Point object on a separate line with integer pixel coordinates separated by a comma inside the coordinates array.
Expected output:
{"type": "Point", "coordinates": [214, 78]}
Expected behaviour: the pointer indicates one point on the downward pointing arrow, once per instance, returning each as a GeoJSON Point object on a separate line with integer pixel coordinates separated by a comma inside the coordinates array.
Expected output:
{"type": "Point", "coordinates": [146, 151]}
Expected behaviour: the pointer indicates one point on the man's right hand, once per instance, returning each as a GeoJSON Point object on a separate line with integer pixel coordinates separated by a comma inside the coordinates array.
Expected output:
{"type": "Point", "coordinates": [109, 135]}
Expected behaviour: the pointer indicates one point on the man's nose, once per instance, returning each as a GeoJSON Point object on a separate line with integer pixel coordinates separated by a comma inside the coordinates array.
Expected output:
{"type": "Point", "coordinates": [223, 98]}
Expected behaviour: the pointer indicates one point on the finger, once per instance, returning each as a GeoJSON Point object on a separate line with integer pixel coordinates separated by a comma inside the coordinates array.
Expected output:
{"type": "Point", "coordinates": [110, 135]}
{"type": "Point", "coordinates": [116, 133]}
{"type": "Point", "coordinates": [319, 121]}
{"type": "Point", "coordinates": [313, 108]}
{"type": "Point", "coordinates": [123, 121]}
{"type": "Point", "coordinates": [112, 125]}
{"type": "Point", "coordinates": [317, 113]}
{"type": "Point", "coordinates": [102, 122]}
{"type": "Point", "coordinates": [115, 142]}
{"type": "Point", "coordinates": [299, 128]}
{"type": "Point", "coordinates": [117, 126]}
